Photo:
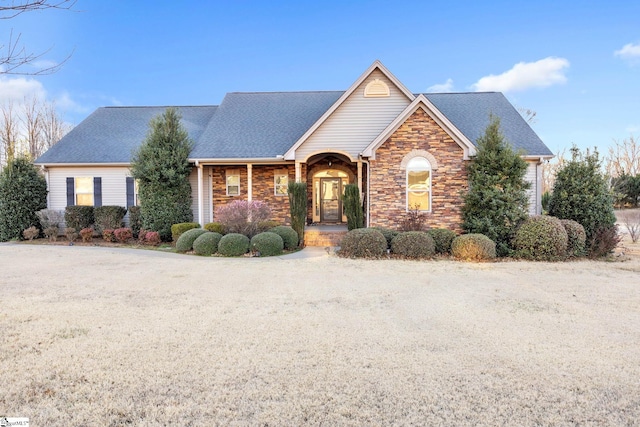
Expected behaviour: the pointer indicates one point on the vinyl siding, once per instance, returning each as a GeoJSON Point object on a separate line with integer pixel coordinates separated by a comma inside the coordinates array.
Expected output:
{"type": "Point", "coordinates": [193, 181]}
{"type": "Point", "coordinates": [534, 191]}
{"type": "Point", "coordinates": [356, 122]}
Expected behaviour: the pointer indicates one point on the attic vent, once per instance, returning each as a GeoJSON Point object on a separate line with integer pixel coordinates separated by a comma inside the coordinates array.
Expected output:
{"type": "Point", "coordinates": [376, 89]}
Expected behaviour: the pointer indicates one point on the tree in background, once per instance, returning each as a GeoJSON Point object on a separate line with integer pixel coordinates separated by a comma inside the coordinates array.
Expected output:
{"type": "Point", "coordinates": [497, 199]}
{"type": "Point", "coordinates": [623, 168]}
{"type": "Point", "coordinates": [23, 192]}
{"type": "Point", "coordinates": [162, 169]}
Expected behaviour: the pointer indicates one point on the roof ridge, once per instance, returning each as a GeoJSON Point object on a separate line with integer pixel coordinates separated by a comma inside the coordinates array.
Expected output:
{"type": "Point", "coordinates": [292, 91]}
{"type": "Point", "coordinates": [160, 106]}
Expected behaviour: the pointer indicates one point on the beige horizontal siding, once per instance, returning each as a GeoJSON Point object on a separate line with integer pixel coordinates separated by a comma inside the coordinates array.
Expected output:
{"type": "Point", "coordinates": [533, 192]}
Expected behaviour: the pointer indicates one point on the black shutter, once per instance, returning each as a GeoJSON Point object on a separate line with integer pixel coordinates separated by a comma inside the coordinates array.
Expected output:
{"type": "Point", "coordinates": [97, 191]}
{"type": "Point", "coordinates": [71, 199]}
{"type": "Point", "coordinates": [131, 196]}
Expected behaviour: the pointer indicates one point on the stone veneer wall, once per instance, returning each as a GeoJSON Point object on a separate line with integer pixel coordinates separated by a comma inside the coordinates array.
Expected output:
{"type": "Point", "coordinates": [388, 179]}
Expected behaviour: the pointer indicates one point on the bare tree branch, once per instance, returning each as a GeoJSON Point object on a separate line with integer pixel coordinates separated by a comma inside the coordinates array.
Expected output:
{"type": "Point", "coordinates": [16, 8]}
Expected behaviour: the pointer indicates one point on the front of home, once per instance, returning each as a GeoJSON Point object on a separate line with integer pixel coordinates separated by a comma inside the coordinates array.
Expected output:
{"type": "Point", "coordinates": [403, 150]}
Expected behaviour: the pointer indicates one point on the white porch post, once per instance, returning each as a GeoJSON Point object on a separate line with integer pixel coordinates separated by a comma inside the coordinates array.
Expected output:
{"type": "Point", "coordinates": [200, 196]}
{"type": "Point", "coordinates": [249, 181]}
{"type": "Point", "coordinates": [360, 178]}
{"type": "Point", "coordinates": [210, 184]}
{"type": "Point", "coordinates": [298, 171]}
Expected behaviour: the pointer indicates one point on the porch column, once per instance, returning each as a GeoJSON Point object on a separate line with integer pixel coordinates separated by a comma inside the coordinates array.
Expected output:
{"type": "Point", "coordinates": [210, 186]}
{"type": "Point", "coordinates": [200, 197]}
{"type": "Point", "coordinates": [298, 171]}
{"type": "Point", "coordinates": [360, 178]}
{"type": "Point", "coordinates": [249, 181]}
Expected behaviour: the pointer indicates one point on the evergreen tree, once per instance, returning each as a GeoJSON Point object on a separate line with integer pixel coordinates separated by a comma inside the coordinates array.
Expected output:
{"type": "Point", "coordinates": [298, 208]}
{"type": "Point", "coordinates": [497, 199]}
{"type": "Point", "coordinates": [581, 193]}
{"type": "Point", "coordinates": [162, 169]}
{"type": "Point", "coordinates": [353, 207]}
{"type": "Point", "coordinates": [23, 192]}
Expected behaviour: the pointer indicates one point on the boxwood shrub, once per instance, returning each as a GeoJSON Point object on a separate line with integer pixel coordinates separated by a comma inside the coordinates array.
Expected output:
{"type": "Point", "coordinates": [363, 243]}
{"type": "Point", "coordinates": [473, 247]}
{"type": "Point", "coordinates": [178, 229]}
{"type": "Point", "coordinates": [267, 243]}
{"type": "Point", "coordinates": [109, 217]}
{"type": "Point", "coordinates": [413, 244]}
{"type": "Point", "coordinates": [215, 227]}
{"type": "Point", "coordinates": [186, 239]}
{"type": "Point", "coordinates": [442, 237]}
{"type": "Point", "coordinates": [78, 217]}
{"type": "Point", "coordinates": [576, 237]}
{"type": "Point", "coordinates": [388, 234]}
{"type": "Point", "coordinates": [206, 244]}
{"type": "Point", "coordinates": [135, 220]}
{"type": "Point", "coordinates": [541, 238]}
{"type": "Point", "coordinates": [288, 234]}
{"type": "Point", "coordinates": [233, 244]}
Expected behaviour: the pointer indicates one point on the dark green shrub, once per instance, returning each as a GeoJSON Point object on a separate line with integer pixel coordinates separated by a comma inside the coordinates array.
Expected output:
{"type": "Point", "coordinates": [576, 237]}
{"type": "Point", "coordinates": [541, 238]}
{"type": "Point", "coordinates": [473, 247]}
{"type": "Point", "coordinates": [186, 239]}
{"type": "Point", "coordinates": [78, 217]}
{"type": "Point", "coordinates": [178, 229]}
{"type": "Point", "coordinates": [108, 217]}
{"type": "Point", "coordinates": [135, 220]}
{"type": "Point", "coordinates": [215, 227]}
{"type": "Point", "coordinates": [267, 244]}
{"type": "Point", "coordinates": [288, 234]}
{"type": "Point", "coordinates": [442, 237]}
{"type": "Point", "coordinates": [207, 243]}
{"type": "Point", "coordinates": [353, 207]}
{"type": "Point", "coordinates": [545, 199]}
{"type": "Point", "coordinates": [363, 243]}
{"type": "Point", "coordinates": [413, 244]}
{"type": "Point", "coordinates": [23, 192]}
{"type": "Point", "coordinates": [604, 241]}
{"type": "Point", "coordinates": [388, 234]}
{"type": "Point", "coordinates": [298, 207]}
{"type": "Point", "coordinates": [234, 244]}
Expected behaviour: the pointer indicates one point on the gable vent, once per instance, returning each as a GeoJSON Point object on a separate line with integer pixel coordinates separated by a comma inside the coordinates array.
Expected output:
{"type": "Point", "coordinates": [376, 89]}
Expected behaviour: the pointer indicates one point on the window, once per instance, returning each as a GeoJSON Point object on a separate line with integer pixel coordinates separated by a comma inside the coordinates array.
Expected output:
{"type": "Point", "coordinates": [132, 192]}
{"type": "Point", "coordinates": [84, 190]}
{"type": "Point", "coordinates": [419, 184]}
{"type": "Point", "coordinates": [281, 182]}
{"type": "Point", "coordinates": [233, 182]}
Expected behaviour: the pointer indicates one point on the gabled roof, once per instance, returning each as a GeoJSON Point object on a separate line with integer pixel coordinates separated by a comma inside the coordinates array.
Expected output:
{"type": "Point", "coordinates": [111, 134]}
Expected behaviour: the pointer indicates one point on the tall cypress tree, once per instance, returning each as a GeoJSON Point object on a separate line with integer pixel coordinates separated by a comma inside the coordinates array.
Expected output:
{"type": "Point", "coordinates": [497, 199]}
{"type": "Point", "coordinates": [162, 169]}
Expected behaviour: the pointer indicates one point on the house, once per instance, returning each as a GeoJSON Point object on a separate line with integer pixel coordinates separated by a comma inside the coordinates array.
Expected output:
{"type": "Point", "coordinates": [402, 149]}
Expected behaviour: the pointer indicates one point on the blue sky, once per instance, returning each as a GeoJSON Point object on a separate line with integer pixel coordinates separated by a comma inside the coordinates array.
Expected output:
{"type": "Point", "coordinates": [576, 63]}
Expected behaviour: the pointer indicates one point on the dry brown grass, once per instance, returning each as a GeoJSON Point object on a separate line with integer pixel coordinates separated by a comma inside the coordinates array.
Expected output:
{"type": "Point", "coordinates": [114, 337]}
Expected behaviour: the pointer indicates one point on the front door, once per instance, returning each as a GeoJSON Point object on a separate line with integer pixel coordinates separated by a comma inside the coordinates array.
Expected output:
{"type": "Point", "coordinates": [330, 199]}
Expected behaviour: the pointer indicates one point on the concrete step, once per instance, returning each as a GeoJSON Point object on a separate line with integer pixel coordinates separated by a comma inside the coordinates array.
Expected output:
{"type": "Point", "coordinates": [323, 238]}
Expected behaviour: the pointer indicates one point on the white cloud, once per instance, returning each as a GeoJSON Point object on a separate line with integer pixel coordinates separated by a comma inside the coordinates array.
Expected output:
{"type": "Point", "coordinates": [440, 88]}
{"type": "Point", "coordinates": [629, 52]}
{"type": "Point", "coordinates": [16, 89]}
{"type": "Point", "coordinates": [633, 128]}
{"type": "Point", "coordinates": [526, 75]}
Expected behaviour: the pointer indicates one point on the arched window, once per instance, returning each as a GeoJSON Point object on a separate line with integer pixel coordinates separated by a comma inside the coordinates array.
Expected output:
{"type": "Point", "coordinates": [419, 184]}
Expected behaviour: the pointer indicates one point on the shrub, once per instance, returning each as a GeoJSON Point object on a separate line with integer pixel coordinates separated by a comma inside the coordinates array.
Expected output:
{"type": "Point", "coordinates": [30, 233]}
{"type": "Point", "coordinates": [207, 243]}
{"type": "Point", "coordinates": [71, 234]}
{"type": "Point", "coordinates": [541, 238]}
{"type": "Point", "coordinates": [178, 229]}
{"type": "Point", "coordinates": [50, 218]}
{"type": "Point", "coordinates": [353, 207]}
{"type": "Point", "coordinates": [298, 207]}
{"type": "Point", "coordinates": [267, 225]}
{"type": "Point", "coordinates": [631, 220]}
{"type": "Point", "coordinates": [413, 244]}
{"type": "Point", "coordinates": [414, 220]}
{"type": "Point", "coordinates": [388, 234]}
{"type": "Point", "coordinates": [576, 237]}
{"type": "Point", "coordinates": [86, 234]}
{"type": "Point", "coordinates": [604, 241]}
{"type": "Point", "coordinates": [442, 237]}
{"type": "Point", "coordinates": [288, 234]}
{"type": "Point", "coordinates": [363, 243]}
{"type": "Point", "coordinates": [135, 220]}
{"type": "Point", "coordinates": [242, 216]}
{"type": "Point", "coordinates": [23, 192]}
{"type": "Point", "coordinates": [108, 235]}
{"type": "Point", "coordinates": [215, 227]}
{"type": "Point", "coordinates": [78, 217]}
{"type": "Point", "coordinates": [233, 244]}
{"type": "Point", "coordinates": [109, 217]}
{"type": "Point", "coordinates": [473, 247]}
{"type": "Point", "coordinates": [186, 239]}
{"type": "Point", "coordinates": [152, 238]}
{"type": "Point", "coordinates": [123, 235]}
{"type": "Point", "coordinates": [267, 244]}
{"type": "Point", "coordinates": [51, 233]}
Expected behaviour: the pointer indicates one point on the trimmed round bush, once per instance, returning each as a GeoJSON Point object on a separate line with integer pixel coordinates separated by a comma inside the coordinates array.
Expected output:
{"type": "Point", "coordinates": [288, 234]}
{"type": "Point", "coordinates": [215, 227]}
{"type": "Point", "coordinates": [541, 238]}
{"type": "Point", "coordinates": [442, 237]}
{"type": "Point", "coordinates": [473, 247]}
{"type": "Point", "coordinates": [576, 237]}
{"type": "Point", "coordinates": [207, 243]}
{"type": "Point", "coordinates": [186, 239]}
{"type": "Point", "coordinates": [178, 229]}
{"type": "Point", "coordinates": [388, 234]}
{"type": "Point", "coordinates": [413, 244]}
{"type": "Point", "coordinates": [363, 243]}
{"type": "Point", "coordinates": [233, 244]}
{"type": "Point", "coordinates": [267, 243]}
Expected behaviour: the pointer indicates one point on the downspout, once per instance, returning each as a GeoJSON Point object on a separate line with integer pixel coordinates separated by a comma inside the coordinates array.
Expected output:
{"type": "Point", "coordinates": [200, 195]}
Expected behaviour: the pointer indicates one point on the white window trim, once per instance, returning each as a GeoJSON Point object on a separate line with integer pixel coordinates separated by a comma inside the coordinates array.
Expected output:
{"type": "Point", "coordinates": [407, 190]}
{"type": "Point", "coordinates": [276, 174]}
{"type": "Point", "coordinates": [229, 173]}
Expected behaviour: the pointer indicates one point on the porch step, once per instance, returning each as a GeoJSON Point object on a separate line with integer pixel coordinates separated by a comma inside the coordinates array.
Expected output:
{"type": "Point", "coordinates": [323, 238]}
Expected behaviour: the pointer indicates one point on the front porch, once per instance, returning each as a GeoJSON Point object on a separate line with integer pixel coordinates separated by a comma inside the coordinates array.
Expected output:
{"type": "Point", "coordinates": [324, 235]}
